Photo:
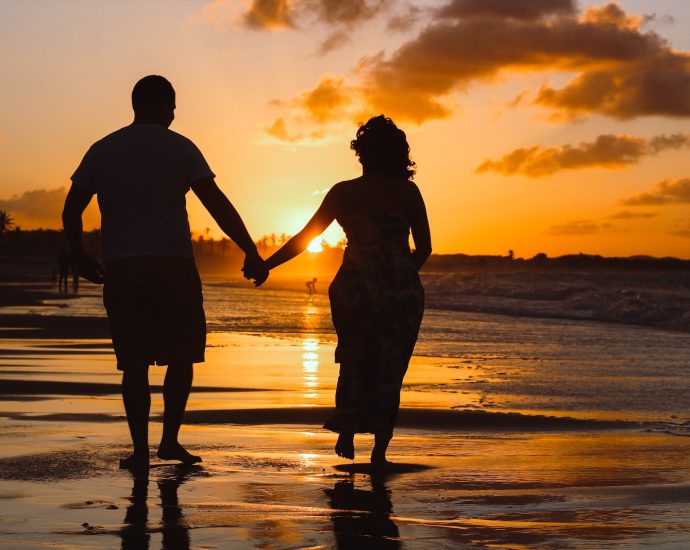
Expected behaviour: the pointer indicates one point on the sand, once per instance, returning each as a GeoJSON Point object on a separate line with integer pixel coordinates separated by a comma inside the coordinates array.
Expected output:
{"type": "Point", "coordinates": [463, 478]}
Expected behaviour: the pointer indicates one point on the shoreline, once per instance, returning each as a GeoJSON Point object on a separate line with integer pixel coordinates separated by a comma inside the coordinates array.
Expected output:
{"type": "Point", "coordinates": [625, 310]}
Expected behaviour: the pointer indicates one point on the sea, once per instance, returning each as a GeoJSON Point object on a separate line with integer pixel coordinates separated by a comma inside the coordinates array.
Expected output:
{"type": "Point", "coordinates": [527, 359]}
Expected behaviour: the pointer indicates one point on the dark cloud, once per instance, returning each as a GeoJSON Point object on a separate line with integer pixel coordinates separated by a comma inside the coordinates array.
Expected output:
{"type": "Point", "coordinates": [522, 9]}
{"type": "Point", "coordinates": [43, 208]}
{"type": "Point", "coordinates": [656, 84]}
{"type": "Point", "coordinates": [607, 151]}
{"type": "Point", "coordinates": [282, 14]}
{"type": "Point", "coordinates": [405, 19]}
{"type": "Point", "coordinates": [628, 215]}
{"type": "Point", "coordinates": [346, 12]}
{"type": "Point", "coordinates": [682, 231]}
{"type": "Point", "coordinates": [333, 41]}
{"type": "Point", "coordinates": [618, 68]}
{"type": "Point", "coordinates": [269, 14]}
{"type": "Point", "coordinates": [577, 227]}
{"type": "Point", "coordinates": [621, 70]}
{"type": "Point", "coordinates": [38, 204]}
{"type": "Point", "coordinates": [665, 192]}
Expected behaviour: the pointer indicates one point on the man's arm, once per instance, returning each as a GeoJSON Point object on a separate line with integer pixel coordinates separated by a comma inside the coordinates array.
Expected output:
{"type": "Point", "coordinates": [230, 221]}
{"type": "Point", "coordinates": [76, 202]}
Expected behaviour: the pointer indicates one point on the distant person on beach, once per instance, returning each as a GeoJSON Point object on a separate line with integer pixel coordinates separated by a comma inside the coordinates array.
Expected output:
{"type": "Point", "coordinates": [377, 299]}
{"type": "Point", "coordinates": [311, 286]}
{"type": "Point", "coordinates": [152, 294]}
{"type": "Point", "coordinates": [74, 270]}
{"type": "Point", "coordinates": [64, 262]}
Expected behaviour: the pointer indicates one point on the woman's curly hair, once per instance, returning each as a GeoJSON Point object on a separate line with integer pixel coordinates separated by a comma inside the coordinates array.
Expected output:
{"type": "Point", "coordinates": [382, 148]}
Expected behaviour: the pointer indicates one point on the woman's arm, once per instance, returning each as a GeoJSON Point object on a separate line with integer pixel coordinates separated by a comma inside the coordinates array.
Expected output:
{"type": "Point", "coordinates": [420, 230]}
{"type": "Point", "coordinates": [323, 217]}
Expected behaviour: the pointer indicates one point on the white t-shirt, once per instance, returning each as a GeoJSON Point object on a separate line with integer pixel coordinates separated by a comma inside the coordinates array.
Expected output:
{"type": "Point", "coordinates": [141, 174]}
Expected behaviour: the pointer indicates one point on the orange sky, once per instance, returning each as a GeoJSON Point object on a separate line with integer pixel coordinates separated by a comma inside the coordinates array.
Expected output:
{"type": "Point", "coordinates": [540, 125]}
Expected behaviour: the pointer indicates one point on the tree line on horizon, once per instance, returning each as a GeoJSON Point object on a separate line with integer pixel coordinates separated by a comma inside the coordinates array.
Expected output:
{"type": "Point", "coordinates": [46, 244]}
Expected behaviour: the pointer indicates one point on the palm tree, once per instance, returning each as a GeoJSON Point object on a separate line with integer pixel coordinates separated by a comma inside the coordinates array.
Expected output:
{"type": "Point", "coordinates": [6, 221]}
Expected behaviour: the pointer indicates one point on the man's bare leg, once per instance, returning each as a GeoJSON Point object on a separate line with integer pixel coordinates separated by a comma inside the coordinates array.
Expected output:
{"type": "Point", "coordinates": [136, 396]}
{"type": "Point", "coordinates": [176, 388]}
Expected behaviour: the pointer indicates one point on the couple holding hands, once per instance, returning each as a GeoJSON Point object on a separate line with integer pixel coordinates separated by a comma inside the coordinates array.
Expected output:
{"type": "Point", "coordinates": [140, 175]}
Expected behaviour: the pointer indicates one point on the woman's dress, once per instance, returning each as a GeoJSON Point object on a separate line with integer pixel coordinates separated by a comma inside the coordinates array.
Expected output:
{"type": "Point", "coordinates": [377, 303]}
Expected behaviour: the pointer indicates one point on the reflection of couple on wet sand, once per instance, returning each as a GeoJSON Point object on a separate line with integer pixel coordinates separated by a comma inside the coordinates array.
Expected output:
{"type": "Point", "coordinates": [152, 291]}
{"type": "Point", "coordinates": [361, 518]}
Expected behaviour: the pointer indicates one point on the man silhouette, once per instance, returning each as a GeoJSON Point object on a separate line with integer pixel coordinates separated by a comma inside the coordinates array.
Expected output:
{"type": "Point", "coordinates": [152, 293]}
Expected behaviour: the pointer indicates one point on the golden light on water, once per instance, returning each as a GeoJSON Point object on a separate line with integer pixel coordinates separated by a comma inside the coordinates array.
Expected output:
{"type": "Point", "coordinates": [316, 245]}
{"type": "Point", "coordinates": [310, 366]}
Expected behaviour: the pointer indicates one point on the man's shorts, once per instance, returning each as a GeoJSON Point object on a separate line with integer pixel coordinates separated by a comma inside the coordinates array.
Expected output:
{"type": "Point", "coordinates": [155, 310]}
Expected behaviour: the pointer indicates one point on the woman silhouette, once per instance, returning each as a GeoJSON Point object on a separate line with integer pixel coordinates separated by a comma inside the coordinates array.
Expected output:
{"type": "Point", "coordinates": [377, 299]}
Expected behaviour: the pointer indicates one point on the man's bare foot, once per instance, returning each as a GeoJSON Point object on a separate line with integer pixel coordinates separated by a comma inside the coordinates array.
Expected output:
{"type": "Point", "coordinates": [175, 451]}
{"type": "Point", "coordinates": [135, 461]}
{"type": "Point", "coordinates": [345, 446]}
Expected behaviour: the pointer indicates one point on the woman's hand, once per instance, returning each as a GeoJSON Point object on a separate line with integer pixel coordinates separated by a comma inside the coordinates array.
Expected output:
{"type": "Point", "coordinates": [255, 268]}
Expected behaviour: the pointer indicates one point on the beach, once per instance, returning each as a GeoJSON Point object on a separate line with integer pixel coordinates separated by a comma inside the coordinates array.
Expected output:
{"type": "Point", "coordinates": [514, 432]}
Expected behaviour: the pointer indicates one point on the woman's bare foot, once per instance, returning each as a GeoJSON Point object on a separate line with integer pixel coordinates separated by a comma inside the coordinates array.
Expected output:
{"type": "Point", "coordinates": [175, 451]}
{"type": "Point", "coordinates": [345, 446]}
{"type": "Point", "coordinates": [378, 454]}
{"type": "Point", "coordinates": [135, 461]}
{"type": "Point", "coordinates": [379, 465]}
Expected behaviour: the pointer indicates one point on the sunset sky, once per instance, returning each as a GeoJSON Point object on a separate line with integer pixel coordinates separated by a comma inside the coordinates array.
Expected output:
{"type": "Point", "coordinates": [536, 125]}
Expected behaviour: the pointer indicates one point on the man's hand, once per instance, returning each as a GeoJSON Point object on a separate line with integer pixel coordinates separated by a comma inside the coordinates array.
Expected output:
{"type": "Point", "coordinates": [255, 268]}
{"type": "Point", "coordinates": [89, 267]}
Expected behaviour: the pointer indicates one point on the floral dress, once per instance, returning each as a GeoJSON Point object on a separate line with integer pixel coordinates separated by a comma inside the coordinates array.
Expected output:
{"type": "Point", "coordinates": [377, 303]}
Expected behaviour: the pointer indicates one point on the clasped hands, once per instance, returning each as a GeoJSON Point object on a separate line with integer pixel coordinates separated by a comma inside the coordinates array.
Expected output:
{"type": "Point", "coordinates": [255, 268]}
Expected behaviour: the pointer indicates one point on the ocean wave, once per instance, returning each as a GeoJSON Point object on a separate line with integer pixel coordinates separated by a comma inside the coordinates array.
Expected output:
{"type": "Point", "coordinates": [638, 298]}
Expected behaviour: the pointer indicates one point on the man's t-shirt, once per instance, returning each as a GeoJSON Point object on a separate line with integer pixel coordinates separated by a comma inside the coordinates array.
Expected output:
{"type": "Point", "coordinates": [141, 174]}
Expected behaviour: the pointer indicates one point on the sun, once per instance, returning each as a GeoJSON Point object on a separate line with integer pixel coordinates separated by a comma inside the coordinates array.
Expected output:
{"type": "Point", "coordinates": [316, 245]}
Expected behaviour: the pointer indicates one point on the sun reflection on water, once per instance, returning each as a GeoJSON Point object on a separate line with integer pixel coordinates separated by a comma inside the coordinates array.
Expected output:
{"type": "Point", "coordinates": [310, 366]}
{"type": "Point", "coordinates": [310, 356]}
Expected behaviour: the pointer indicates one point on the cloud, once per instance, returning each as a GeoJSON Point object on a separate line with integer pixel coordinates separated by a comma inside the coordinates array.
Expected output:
{"type": "Point", "coordinates": [327, 102]}
{"type": "Point", "coordinates": [682, 231]}
{"type": "Point", "coordinates": [618, 68]}
{"type": "Point", "coordinates": [607, 151]}
{"type": "Point", "coordinates": [665, 192]}
{"type": "Point", "coordinates": [405, 19]}
{"type": "Point", "coordinates": [38, 204]}
{"type": "Point", "coordinates": [577, 227]}
{"type": "Point", "coordinates": [278, 130]}
{"type": "Point", "coordinates": [293, 14]}
{"type": "Point", "coordinates": [628, 215]}
{"type": "Point", "coordinates": [621, 70]}
{"type": "Point", "coordinates": [43, 208]}
{"type": "Point", "coordinates": [524, 9]}
{"type": "Point", "coordinates": [269, 14]}
{"type": "Point", "coordinates": [335, 40]}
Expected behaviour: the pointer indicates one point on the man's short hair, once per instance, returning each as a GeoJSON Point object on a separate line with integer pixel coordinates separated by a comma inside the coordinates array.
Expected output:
{"type": "Point", "coordinates": [151, 91]}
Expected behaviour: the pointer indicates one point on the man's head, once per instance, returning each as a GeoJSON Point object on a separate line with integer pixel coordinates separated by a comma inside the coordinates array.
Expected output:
{"type": "Point", "coordinates": [153, 100]}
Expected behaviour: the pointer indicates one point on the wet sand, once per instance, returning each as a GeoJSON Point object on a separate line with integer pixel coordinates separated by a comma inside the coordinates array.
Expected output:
{"type": "Point", "coordinates": [281, 487]}
{"type": "Point", "coordinates": [463, 478]}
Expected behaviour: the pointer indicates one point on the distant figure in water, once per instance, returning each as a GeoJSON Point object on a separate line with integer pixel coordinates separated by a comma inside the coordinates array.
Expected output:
{"type": "Point", "coordinates": [377, 299]}
{"type": "Point", "coordinates": [64, 262]}
{"type": "Point", "coordinates": [74, 270]}
{"type": "Point", "coordinates": [152, 294]}
{"type": "Point", "coordinates": [311, 286]}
